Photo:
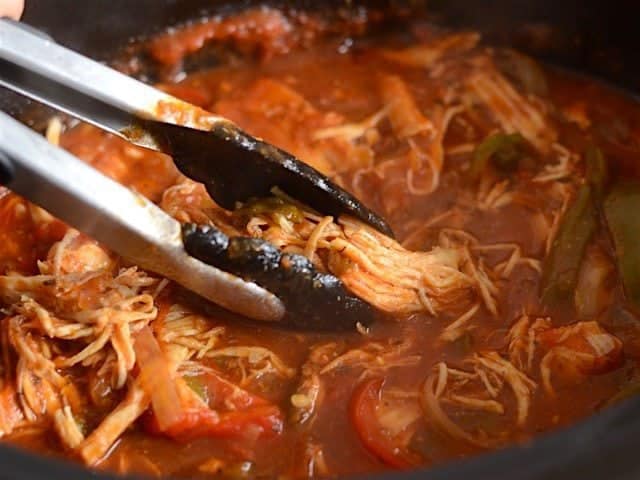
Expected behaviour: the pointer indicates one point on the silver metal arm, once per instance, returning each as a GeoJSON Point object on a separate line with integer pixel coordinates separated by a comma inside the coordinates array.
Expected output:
{"type": "Point", "coordinates": [122, 220]}
{"type": "Point", "coordinates": [39, 68]}
{"type": "Point", "coordinates": [25, 48]}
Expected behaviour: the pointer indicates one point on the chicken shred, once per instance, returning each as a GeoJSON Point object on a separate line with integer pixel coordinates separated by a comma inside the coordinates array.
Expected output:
{"type": "Point", "coordinates": [478, 389]}
{"type": "Point", "coordinates": [428, 55]}
{"type": "Point", "coordinates": [574, 351]}
{"type": "Point", "coordinates": [513, 111]}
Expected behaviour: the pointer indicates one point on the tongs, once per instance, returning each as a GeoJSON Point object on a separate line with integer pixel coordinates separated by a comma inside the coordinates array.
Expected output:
{"type": "Point", "coordinates": [232, 165]}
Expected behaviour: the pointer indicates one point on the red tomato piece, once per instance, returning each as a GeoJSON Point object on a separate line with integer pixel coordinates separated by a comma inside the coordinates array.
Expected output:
{"type": "Point", "coordinates": [230, 411]}
{"type": "Point", "coordinates": [364, 405]}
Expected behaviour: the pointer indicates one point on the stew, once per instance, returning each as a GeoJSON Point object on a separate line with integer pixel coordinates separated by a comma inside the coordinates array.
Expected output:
{"type": "Point", "coordinates": [509, 301]}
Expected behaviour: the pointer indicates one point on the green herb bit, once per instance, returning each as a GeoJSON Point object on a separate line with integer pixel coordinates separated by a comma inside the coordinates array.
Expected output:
{"type": "Point", "coordinates": [502, 149]}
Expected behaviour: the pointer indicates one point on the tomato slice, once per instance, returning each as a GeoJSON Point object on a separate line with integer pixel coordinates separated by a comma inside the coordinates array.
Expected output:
{"type": "Point", "coordinates": [229, 411]}
{"type": "Point", "coordinates": [204, 422]}
{"type": "Point", "coordinates": [364, 416]}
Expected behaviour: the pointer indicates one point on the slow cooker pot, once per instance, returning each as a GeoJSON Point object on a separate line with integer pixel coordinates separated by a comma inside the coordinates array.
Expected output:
{"type": "Point", "coordinates": [594, 37]}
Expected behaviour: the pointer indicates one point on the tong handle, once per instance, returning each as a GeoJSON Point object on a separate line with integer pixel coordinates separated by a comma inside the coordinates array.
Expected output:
{"type": "Point", "coordinates": [33, 64]}
{"type": "Point", "coordinates": [122, 220]}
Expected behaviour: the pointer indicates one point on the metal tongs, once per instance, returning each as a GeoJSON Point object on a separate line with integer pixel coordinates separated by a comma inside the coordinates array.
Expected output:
{"type": "Point", "coordinates": [233, 166]}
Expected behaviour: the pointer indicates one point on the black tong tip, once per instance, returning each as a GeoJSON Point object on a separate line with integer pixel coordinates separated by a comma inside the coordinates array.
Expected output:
{"type": "Point", "coordinates": [235, 167]}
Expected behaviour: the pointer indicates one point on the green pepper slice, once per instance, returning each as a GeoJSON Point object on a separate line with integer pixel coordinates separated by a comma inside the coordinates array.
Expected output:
{"type": "Point", "coordinates": [562, 265]}
{"type": "Point", "coordinates": [621, 210]}
{"type": "Point", "coordinates": [271, 205]}
{"type": "Point", "coordinates": [502, 149]}
{"type": "Point", "coordinates": [596, 170]}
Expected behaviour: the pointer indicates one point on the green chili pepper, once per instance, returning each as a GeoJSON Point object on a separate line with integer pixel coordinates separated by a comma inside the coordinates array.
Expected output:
{"type": "Point", "coordinates": [561, 267]}
{"type": "Point", "coordinates": [197, 385]}
{"type": "Point", "coordinates": [272, 205]}
{"type": "Point", "coordinates": [596, 170]}
{"type": "Point", "coordinates": [621, 210]}
{"type": "Point", "coordinates": [503, 150]}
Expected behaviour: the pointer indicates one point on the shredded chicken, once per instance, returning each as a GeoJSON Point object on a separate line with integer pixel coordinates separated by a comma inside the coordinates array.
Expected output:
{"type": "Point", "coordinates": [523, 341]}
{"type": "Point", "coordinates": [404, 114]}
{"type": "Point", "coordinates": [456, 329]}
{"type": "Point", "coordinates": [479, 389]}
{"type": "Point", "coordinates": [97, 310]}
{"type": "Point", "coordinates": [506, 268]}
{"type": "Point", "coordinates": [513, 111]}
{"type": "Point", "coordinates": [187, 336]}
{"type": "Point", "coordinates": [67, 427]}
{"type": "Point", "coordinates": [493, 196]}
{"type": "Point", "coordinates": [54, 130]}
{"type": "Point", "coordinates": [93, 449]}
{"type": "Point", "coordinates": [189, 202]}
{"type": "Point", "coordinates": [276, 112]}
{"type": "Point", "coordinates": [327, 359]}
{"type": "Point", "coordinates": [253, 362]}
{"type": "Point", "coordinates": [374, 358]}
{"type": "Point", "coordinates": [428, 55]}
{"type": "Point", "coordinates": [521, 385]}
{"type": "Point", "coordinates": [560, 170]}
{"type": "Point", "coordinates": [380, 271]}
{"type": "Point", "coordinates": [314, 463]}
{"type": "Point", "coordinates": [365, 129]}
{"type": "Point", "coordinates": [583, 348]}
{"type": "Point", "coordinates": [424, 135]}
{"type": "Point", "coordinates": [567, 353]}
{"type": "Point", "coordinates": [373, 266]}
{"type": "Point", "coordinates": [309, 392]}
{"type": "Point", "coordinates": [563, 193]}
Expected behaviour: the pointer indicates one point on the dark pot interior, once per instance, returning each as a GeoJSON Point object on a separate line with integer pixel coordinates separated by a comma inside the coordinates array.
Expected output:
{"type": "Point", "coordinates": [595, 37]}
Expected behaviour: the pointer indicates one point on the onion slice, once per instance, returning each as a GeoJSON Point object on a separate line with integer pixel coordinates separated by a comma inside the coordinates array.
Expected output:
{"type": "Point", "coordinates": [157, 379]}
